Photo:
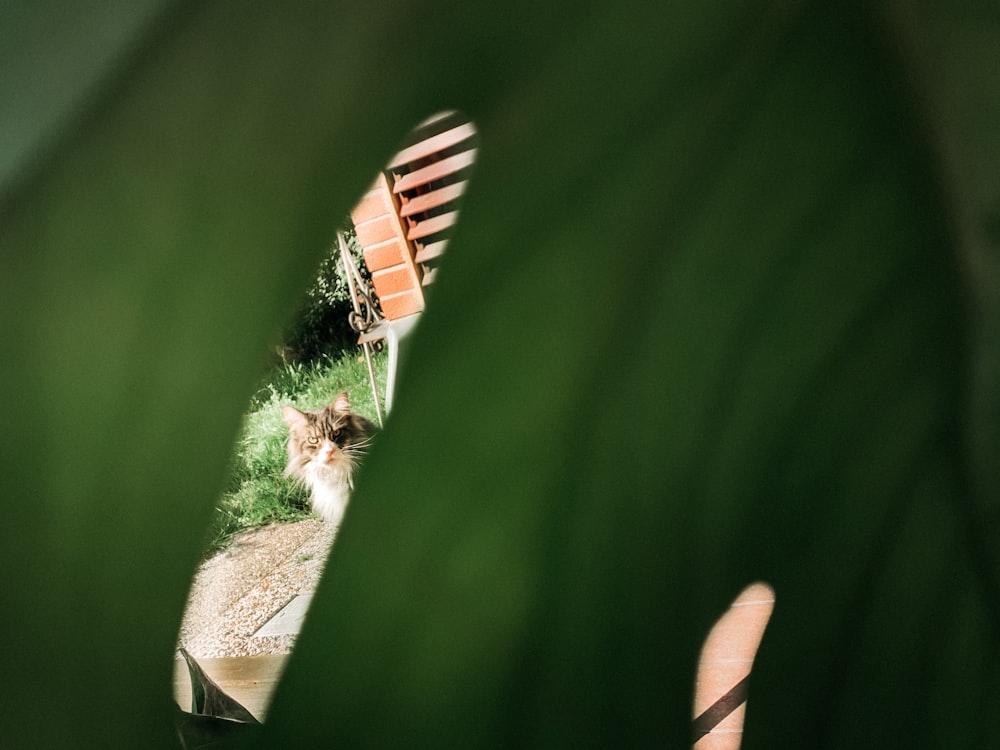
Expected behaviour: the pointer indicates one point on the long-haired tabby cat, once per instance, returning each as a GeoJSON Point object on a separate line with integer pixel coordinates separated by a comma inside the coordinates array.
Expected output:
{"type": "Point", "coordinates": [324, 447]}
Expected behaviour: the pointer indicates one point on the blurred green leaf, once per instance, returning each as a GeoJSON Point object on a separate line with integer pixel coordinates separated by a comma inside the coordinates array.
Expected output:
{"type": "Point", "coordinates": [722, 307]}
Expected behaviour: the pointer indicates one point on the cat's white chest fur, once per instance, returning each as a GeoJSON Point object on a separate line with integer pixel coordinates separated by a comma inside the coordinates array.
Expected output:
{"type": "Point", "coordinates": [329, 489]}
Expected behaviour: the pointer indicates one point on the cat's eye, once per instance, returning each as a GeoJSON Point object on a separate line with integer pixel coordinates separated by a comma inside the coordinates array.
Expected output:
{"type": "Point", "coordinates": [313, 440]}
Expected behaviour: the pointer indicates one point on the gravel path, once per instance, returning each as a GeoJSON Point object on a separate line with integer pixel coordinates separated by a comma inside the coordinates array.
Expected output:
{"type": "Point", "coordinates": [239, 589]}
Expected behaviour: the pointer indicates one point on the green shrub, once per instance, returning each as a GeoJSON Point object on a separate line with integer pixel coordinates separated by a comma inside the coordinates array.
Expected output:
{"type": "Point", "coordinates": [321, 325]}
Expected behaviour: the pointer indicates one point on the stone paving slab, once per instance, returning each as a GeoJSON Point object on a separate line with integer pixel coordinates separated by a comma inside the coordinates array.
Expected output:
{"type": "Point", "coordinates": [288, 620]}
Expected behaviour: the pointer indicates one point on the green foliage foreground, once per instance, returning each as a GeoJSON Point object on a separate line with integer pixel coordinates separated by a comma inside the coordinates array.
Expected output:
{"type": "Point", "coordinates": [721, 307]}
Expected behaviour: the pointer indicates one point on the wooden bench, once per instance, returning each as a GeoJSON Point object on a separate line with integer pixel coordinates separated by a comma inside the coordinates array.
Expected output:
{"type": "Point", "coordinates": [403, 224]}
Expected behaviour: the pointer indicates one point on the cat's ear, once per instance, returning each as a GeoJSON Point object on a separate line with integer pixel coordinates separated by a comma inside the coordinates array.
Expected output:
{"type": "Point", "coordinates": [294, 417]}
{"type": "Point", "coordinates": [341, 404]}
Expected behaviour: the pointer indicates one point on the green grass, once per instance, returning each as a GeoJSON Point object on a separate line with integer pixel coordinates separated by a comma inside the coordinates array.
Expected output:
{"type": "Point", "coordinates": [257, 492]}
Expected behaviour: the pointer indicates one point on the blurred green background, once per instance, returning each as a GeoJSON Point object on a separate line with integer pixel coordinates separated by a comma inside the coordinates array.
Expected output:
{"type": "Point", "coordinates": [735, 319]}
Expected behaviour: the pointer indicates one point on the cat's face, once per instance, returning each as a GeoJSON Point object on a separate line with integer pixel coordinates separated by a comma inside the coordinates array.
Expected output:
{"type": "Point", "coordinates": [327, 438]}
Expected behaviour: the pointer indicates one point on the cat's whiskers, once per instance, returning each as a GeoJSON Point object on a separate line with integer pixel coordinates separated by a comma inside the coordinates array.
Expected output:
{"type": "Point", "coordinates": [363, 443]}
{"type": "Point", "coordinates": [359, 449]}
